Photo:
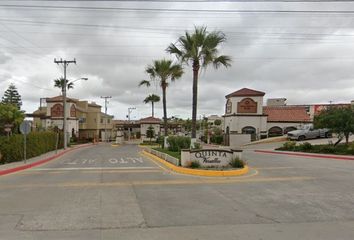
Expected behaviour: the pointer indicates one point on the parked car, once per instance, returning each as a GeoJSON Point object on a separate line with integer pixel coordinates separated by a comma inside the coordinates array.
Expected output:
{"type": "Point", "coordinates": [308, 133]}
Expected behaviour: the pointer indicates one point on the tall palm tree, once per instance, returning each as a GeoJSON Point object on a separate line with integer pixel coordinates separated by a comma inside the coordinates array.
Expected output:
{"type": "Point", "coordinates": [152, 98]}
{"type": "Point", "coordinates": [199, 48]}
{"type": "Point", "coordinates": [162, 71]}
{"type": "Point", "coordinates": [59, 83]}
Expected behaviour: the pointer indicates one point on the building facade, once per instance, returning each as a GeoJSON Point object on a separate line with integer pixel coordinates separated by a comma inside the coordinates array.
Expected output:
{"type": "Point", "coordinates": [246, 119]}
{"type": "Point", "coordinates": [85, 120]}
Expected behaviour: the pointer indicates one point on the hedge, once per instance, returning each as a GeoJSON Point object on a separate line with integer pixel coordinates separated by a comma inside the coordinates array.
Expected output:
{"type": "Point", "coordinates": [11, 149]}
{"type": "Point", "coordinates": [342, 149]}
{"type": "Point", "coordinates": [176, 143]}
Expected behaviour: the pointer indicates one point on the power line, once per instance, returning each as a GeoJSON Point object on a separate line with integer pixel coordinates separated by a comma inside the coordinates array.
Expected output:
{"type": "Point", "coordinates": [163, 30]}
{"type": "Point", "coordinates": [173, 9]}
{"type": "Point", "coordinates": [192, 1]}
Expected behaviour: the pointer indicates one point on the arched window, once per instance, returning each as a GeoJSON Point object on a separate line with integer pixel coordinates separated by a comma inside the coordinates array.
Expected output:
{"type": "Point", "coordinates": [56, 110]}
{"type": "Point", "coordinates": [73, 111]}
{"type": "Point", "coordinates": [289, 129]}
{"type": "Point", "coordinates": [250, 130]}
{"type": "Point", "coordinates": [228, 108]}
{"type": "Point", "coordinates": [275, 131]}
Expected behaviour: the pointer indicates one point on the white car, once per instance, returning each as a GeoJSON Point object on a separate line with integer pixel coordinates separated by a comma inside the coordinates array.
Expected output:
{"type": "Point", "coordinates": [309, 133]}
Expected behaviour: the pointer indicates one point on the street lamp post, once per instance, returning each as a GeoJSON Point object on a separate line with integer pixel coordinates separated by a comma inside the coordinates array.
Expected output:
{"type": "Point", "coordinates": [64, 108]}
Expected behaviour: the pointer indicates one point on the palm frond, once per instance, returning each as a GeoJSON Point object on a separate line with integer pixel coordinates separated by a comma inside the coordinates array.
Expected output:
{"type": "Point", "coordinates": [222, 61]}
{"type": "Point", "coordinates": [145, 82]}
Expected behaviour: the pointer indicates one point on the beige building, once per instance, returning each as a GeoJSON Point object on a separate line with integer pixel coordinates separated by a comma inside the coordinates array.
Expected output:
{"type": "Point", "coordinates": [85, 120]}
{"type": "Point", "coordinates": [145, 123]}
{"type": "Point", "coordinates": [246, 119]}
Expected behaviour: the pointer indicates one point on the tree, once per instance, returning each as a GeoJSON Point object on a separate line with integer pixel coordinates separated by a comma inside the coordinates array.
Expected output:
{"type": "Point", "coordinates": [150, 132]}
{"type": "Point", "coordinates": [217, 122]}
{"type": "Point", "coordinates": [11, 96]}
{"type": "Point", "coordinates": [162, 71]}
{"type": "Point", "coordinates": [339, 119]}
{"type": "Point", "coordinates": [59, 83]}
{"type": "Point", "coordinates": [10, 114]}
{"type": "Point", "coordinates": [152, 98]}
{"type": "Point", "coordinates": [200, 49]}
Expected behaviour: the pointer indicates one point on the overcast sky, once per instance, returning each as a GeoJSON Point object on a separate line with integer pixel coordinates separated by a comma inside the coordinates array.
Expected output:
{"type": "Point", "coordinates": [304, 57]}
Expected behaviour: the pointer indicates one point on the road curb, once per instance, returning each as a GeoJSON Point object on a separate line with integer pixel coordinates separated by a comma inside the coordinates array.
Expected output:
{"type": "Point", "coordinates": [341, 157]}
{"type": "Point", "coordinates": [40, 162]}
{"type": "Point", "coordinates": [198, 172]}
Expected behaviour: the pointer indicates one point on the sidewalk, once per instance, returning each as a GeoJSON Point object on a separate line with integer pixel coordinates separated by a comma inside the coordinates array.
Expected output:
{"type": "Point", "coordinates": [32, 162]}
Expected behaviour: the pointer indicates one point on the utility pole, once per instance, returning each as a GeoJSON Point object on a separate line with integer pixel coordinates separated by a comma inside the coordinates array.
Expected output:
{"type": "Point", "coordinates": [65, 63]}
{"type": "Point", "coordinates": [129, 112]}
{"type": "Point", "coordinates": [105, 111]}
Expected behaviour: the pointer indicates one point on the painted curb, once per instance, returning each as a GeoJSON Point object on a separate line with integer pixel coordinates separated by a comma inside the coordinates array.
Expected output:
{"type": "Point", "coordinates": [307, 155]}
{"type": "Point", "coordinates": [40, 162]}
{"type": "Point", "coordinates": [199, 172]}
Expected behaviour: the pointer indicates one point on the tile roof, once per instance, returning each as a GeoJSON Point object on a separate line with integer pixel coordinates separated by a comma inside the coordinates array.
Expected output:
{"type": "Point", "coordinates": [286, 114]}
{"type": "Point", "coordinates": [150, 120]}
{"type": "Point", "coordinates": [245, 92]}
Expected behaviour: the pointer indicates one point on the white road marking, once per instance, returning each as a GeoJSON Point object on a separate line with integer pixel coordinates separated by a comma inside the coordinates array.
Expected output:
{"type": "Point", "coordinates": [90, 168]}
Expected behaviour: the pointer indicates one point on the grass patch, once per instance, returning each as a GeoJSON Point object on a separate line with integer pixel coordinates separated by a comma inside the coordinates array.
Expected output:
{"type": "Point", "coordinates": [171, 153]}
{"type": "Point", "coordinates": [148, 143]}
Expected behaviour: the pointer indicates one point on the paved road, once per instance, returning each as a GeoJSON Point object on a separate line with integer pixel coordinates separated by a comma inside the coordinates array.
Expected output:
{"type": "Point", "coordinates": [106, 192]}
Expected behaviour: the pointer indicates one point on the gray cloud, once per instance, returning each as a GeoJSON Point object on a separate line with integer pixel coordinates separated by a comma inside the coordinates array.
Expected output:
{"type": "Point", "coordinates": [305, 58]}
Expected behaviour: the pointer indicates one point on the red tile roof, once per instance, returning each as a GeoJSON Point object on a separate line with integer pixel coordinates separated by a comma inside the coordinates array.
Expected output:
{"type": "Point", "coordinates": [245, 92]}
{"type": "Point", "coordinates": [286, 114]}
{"type": "Point", "coordinates": [150, 120]}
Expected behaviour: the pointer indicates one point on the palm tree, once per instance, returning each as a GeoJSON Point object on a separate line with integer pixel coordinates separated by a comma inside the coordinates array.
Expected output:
{"type": "Point", "coordinates": [152, 98]}
{"type": "Point", "coordinates": [162, 71]}
{"type": "Point", "coordinates": [59, 83]}
{"type": "Point", "coordinates": [199, 48]}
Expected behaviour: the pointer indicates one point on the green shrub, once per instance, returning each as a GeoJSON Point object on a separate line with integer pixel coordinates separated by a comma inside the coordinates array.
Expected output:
{"type": "Point", "coordinates": [176, 143]}
{"type": "Point", "coordinates": [11, 149]}
{"type": "Point", "coordinates": [327, 149]}
{"type": "Point", "coordinates": [217, 139]}
{"type": "Point", "coordinates": [160, 141]}
{"type": "Point", "coordinates": [288, 146]}
{"type": "Point", "coordinates": [197, 146]}
{"type": "Point", "coordinates": [237, 163]}
{"type": "Point", "coordinates": [195, 164]}
{"type": "Point", "coordinates": [305, 147]}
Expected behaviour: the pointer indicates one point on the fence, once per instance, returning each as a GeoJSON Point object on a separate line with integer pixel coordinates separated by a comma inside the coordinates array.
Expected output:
{"type": "Point", "coordinates": [164, 156]}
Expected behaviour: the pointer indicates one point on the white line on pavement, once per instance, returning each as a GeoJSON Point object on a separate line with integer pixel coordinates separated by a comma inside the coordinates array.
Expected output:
{"type": "Point", "coordinates": [91, 168]}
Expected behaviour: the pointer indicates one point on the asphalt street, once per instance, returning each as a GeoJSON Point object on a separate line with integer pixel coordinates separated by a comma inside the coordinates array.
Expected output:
{"type": "Point", "coordinates": [107, 192]}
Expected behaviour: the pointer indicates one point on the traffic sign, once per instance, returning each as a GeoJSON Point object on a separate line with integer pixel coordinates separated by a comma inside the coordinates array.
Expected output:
{"type": "Point", "coordinates": [25, 127]}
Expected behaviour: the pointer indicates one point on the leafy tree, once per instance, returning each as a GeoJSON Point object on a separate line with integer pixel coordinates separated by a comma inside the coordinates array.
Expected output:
{"type": "Point", "coordinates": [217, 122]}
{"type": "Point", "coordinates": [199, 48]}
{"type": "Point", "coordinates": [10, 114]}
{"type": "Point", "coordinates": [150, 133]}
{"type": "Point", "coordinates": [162, 71]}
{"type": "Point", "coordinates": [339, 119]}
{"type": "Point", "coordinates": [11, 96]}
{"type": "Point", "coordinates": [59, 83]}
{"type": "Point", "coordinates": [152, 98]}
